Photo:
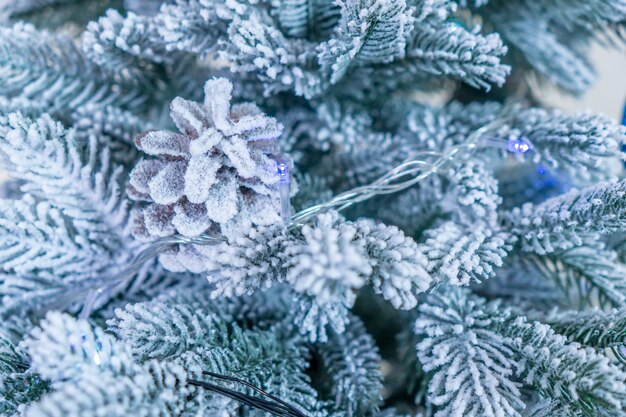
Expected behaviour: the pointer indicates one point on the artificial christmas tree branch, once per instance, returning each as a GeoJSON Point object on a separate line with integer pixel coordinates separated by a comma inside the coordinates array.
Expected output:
{"type": "Point", "coordinates": [264, 194]}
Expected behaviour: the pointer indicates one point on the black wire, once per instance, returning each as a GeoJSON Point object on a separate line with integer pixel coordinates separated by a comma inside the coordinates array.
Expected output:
{"type": "Point", "coordinates": [249, 400]}
{"type": "Point", "coordinates": [259, 403]}
{"type": "Point", "coordinates": [276, 407]}
{"type": "Point", "coordinates": [257, 389]}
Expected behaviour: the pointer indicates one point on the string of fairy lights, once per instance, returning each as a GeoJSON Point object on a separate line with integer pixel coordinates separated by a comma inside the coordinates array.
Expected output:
{"type": "Point", "coordinates": [417, 167]}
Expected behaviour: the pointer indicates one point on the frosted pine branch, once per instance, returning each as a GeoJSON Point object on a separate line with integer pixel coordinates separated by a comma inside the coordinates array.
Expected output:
{"type": "Point", "coordinates": [461, 256]}
{"type": "Point", "coordinates": [41, 66]}
{"type": "Point", "coordinates": [592, 328]}
{"type": "Point", "coordinates": [562, 222]}
{"type": "Point", "coordinates": [583, 144]}
{"type": "Point", "coordinates": [369, 32]}
{"type": "Point", "coordinates": [128, 45]}
{"type": "Point", "coordinates": [39, 239]}
{"type": "Point", "coordinates": [81, 179]}
{"type": "Point", "coordinates": [580, 379]}
{"type": "Point", "coordinates": [471, 366]}
{"type": "Point", "coordinates": [453, 51]}
{"type": "Point", "coordinates": [582, 274]}
{"type": "Point", "coordinates": [330, 264]}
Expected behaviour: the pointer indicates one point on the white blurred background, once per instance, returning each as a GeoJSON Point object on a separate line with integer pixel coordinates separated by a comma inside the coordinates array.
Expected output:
{"type": "Point", "coordinates": [608, 94]}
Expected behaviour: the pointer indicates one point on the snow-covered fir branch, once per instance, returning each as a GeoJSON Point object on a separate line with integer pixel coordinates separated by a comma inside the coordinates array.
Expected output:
{"type": "Point", "coordinates": [590, 328]}
{"type": "Point", "coordinates": [563, 221]}
{"type": "Point", "coordinates": [485, 346]}
{"type": "Point", "coordinates": [156, 149]}
{"type": "Point", "coordinates": [50, 68]}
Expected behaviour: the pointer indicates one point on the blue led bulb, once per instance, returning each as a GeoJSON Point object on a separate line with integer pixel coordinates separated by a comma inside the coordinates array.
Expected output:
{"type": "Point", "coordinates": [518, 145]}
{"type": "Point", "coordinates": [284, 180]}
{"type": "Point", "coordinates": [283, 171]}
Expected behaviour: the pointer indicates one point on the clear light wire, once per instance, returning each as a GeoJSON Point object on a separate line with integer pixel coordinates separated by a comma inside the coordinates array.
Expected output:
{"type": "Point", "coordinates": [415, 169]}
{"type": "Point", "coordinates": [94, 288]}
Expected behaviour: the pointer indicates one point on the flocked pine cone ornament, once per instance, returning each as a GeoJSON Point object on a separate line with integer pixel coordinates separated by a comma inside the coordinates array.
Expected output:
{"type": "Point", "coordinates": [219, 174]}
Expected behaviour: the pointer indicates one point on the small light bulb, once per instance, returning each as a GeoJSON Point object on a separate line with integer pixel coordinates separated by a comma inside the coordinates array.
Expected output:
{"type": "Point", "coordinates": [284, 180]}
{"type": "Point", "coordinates": [513, 144]}
{"type": "Point", "coordinates": [96, 358]}
{"type": "Point", "coordinates": [518, 145]}
{"type": "Point", "coordinates": [283, 171]}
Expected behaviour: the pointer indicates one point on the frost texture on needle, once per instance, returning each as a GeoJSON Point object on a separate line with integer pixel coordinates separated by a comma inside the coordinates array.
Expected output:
{"type": "Point", "coordinates": [342, 256]}
{"type": "Point", "coordinates": [152, 349]}
{"type": "Point", "coordinates": [494, 287]}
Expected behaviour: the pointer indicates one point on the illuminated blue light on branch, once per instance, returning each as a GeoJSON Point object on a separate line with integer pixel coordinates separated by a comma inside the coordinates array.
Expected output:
{"type": "Point", "coordinates": [284, 180]}
{"type": "Point", "coordinates": [283, 171]}
{"type": "Point", "coordinates": [518, 145]}
{"type": "Point", "coordinates": [513, 144]}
